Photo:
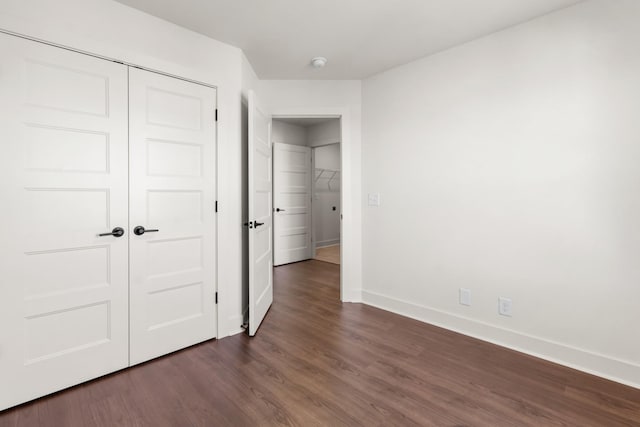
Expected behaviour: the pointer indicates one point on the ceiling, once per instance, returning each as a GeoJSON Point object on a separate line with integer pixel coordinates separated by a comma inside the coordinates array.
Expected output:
{"type": "Point", "coordinates": [358, 37]}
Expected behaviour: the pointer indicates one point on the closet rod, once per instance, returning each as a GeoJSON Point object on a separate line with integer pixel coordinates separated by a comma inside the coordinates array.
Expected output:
{"type": "Point", "coordinates": [322, 170]}
{"type": "Point", "coordinates": [333, 175]}
{"type": "Point", "coordinates": [106, 58]}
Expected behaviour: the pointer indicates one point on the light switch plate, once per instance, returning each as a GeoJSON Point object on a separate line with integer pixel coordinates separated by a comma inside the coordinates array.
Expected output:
{"type": "Point", "coordinates": [374, 199]}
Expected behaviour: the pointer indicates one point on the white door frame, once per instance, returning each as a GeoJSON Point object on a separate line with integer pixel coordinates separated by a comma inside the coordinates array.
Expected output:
{"type": "Point", "coordinates": [348, 249]}
{"type": "Point", "coordinates": [312, 174]}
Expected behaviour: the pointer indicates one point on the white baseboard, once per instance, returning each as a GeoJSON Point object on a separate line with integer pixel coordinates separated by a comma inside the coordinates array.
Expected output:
{"type": "Point", "coordinates": [352, 295]}
{"type": "Point", "coordinates": [326, 243]}
{"type": "Point", "coordinates": [235, 332]}
{"type": "Point", "coordinates": [620, 371]}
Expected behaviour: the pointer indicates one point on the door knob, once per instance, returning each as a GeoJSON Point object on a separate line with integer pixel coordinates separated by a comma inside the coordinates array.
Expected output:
{"type": "Point", "coordinates": [140, 230]}
{"type": "Point", "coordinates": [279, 210]}
{"type": "Point", "coordinates": [258, 224]}
{"type": "Point", "coordinates": [116, 232]}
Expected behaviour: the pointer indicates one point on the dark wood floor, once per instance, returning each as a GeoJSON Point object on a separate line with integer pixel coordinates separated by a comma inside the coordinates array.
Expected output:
{"type": "Point", "coordinates": [316, 361]}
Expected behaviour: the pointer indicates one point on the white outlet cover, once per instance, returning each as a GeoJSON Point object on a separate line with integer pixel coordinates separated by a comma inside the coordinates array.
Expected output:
{"type": "Point", "coordinates": [504, 306]}
{"type": "Point", "coordinates": [374, 199]}
{"type": "Point", "coordinates": [465, 296]}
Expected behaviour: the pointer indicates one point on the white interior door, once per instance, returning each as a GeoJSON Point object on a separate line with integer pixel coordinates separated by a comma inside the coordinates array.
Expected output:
{"type": "Point", "coordinates": [292, 203]}
{"type": "Point", "coordinates": [172, 195]}
{"type": "Point", "coordinates": [63, 181]}
{"type": "Point", "coordinates": [260, 214]}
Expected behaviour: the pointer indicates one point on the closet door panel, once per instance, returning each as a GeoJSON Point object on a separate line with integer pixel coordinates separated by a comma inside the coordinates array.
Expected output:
{"type": "Point", "coordinates": [63, 181]}
{"type": "Point", "coordinates": [172, 190]}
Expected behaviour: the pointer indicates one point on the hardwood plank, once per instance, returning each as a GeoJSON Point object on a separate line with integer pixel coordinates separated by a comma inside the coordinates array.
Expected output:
{"type": "Point", "coordinates": [316, 361]}
{"type": "Point", "coordinates": [328, 254]}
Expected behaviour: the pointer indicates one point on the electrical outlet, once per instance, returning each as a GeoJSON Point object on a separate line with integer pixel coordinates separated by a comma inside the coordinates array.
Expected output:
{"type": "Point", "coordinates": [374, 199]}
{"type": "Point", "coordinates": [465, 296]}
{"type": "Point", "coordinates": [504, 306]}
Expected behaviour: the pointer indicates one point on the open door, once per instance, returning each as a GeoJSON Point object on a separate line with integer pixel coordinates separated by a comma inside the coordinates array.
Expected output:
{"type": "Point", "coordinates": [292, 202]}
{"type": "Point", "coordinates": [260, 214]}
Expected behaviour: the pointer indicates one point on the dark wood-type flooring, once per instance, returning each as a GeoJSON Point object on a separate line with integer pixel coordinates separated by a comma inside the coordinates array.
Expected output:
{"type": "Point", "coordinates": [316, 361]}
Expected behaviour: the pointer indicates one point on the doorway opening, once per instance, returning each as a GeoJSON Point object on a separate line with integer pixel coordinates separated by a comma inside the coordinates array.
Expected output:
{"type": "Point", "coordinates": [273, 159]}
{"type": "Point", "coordinates": [307, 185]}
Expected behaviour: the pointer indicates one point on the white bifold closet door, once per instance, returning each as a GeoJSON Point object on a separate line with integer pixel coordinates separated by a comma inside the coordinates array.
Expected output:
{"type": "Point", "coordinates": [63, 181]}
{"type": "Point", "coordinates": [172, 190]}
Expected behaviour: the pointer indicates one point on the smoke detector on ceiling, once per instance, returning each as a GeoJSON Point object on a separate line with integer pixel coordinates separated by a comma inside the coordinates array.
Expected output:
{"type": "Point", "coordinates": [319, 62]}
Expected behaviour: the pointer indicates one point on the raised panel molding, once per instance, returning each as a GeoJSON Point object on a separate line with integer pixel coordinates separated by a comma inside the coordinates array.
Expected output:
{"type": "Point", "coordinates": [66, 89]}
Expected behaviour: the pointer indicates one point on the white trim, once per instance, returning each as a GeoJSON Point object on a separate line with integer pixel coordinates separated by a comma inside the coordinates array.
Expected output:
{"type": "Point", "coordinates": [313, 203]}
{"type": "Point", "coordinates": [352, 295]}
{"type": "Point", "coordinates": [621, 371]}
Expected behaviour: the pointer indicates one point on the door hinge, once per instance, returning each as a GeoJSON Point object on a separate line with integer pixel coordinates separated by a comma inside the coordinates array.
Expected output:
{"type": "Point", "coordinates": [216, 297]}
{"type": "Point", "coordinates": [216, 206]}
{"type": "Point", "coordinates": [216, 114]}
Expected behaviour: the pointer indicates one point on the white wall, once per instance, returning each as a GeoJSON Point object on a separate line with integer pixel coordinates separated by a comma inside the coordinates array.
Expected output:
{"type": "Point", "coordinates": [286, 133]}
{"type": "Point", "coordinates": [509, 166]}
{"type": "Point", "coordinates": [111, 29]}
{"type": "Point", "coordinates": [323, 133]}
{"type": "Point", "coordinates": [327, 157]}
{"type": "Point", "coordinates": [328, 97]}
{"type": "Point", "coordinates": [326, 220]}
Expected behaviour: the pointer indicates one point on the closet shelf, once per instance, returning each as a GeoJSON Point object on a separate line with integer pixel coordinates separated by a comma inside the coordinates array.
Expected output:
{"type": "Point", "coordinates": [329, 174]}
